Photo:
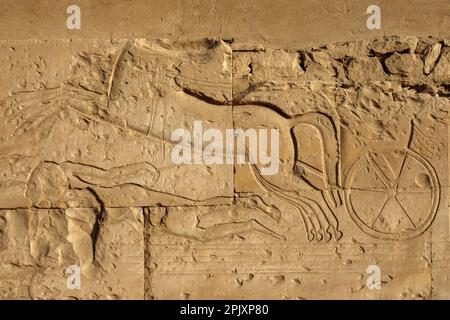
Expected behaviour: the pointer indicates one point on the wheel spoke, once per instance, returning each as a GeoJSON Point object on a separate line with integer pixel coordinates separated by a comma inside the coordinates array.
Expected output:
{"type": "Point", "coordinates": [379, 173]}
{"type": "Point", "coordinates": [417, 190]}
{"type": "Point", "coordinates": [379, 213]}
{"type": "Point", "coordinates": [402, 168]}
{"type": "Point", "coordinates": [406, 214]}
{"type": "Point", "coordinates": [369, 190]}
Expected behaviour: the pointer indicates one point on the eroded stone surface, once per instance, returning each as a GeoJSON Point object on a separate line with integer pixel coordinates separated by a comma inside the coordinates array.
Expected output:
{"type": "Point", "coordinates": [362, 176]}
{"type": "Point", "coordinates": [37, 246]}
{"type": "Point", "coordinates": [104, 130]}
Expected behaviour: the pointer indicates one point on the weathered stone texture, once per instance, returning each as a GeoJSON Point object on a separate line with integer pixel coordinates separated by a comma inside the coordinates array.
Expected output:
{"type": "Point", "coordinates": [87, 178]}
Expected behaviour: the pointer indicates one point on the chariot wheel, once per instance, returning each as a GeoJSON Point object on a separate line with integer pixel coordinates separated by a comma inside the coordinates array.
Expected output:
{"type": "Point", "coordinates": [391, 193]}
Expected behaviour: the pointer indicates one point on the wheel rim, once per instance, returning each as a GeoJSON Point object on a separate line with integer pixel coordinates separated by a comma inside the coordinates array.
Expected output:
{"type": "Point", "coordinates": [399, 204]}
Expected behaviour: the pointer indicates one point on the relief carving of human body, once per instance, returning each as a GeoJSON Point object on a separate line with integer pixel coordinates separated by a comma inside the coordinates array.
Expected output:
{"type": "Point", "coordinates": [87, 102]}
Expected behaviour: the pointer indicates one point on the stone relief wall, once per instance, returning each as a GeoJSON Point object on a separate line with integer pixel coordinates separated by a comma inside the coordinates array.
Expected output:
{"type": "Point", "coordinates": [87, 178]}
